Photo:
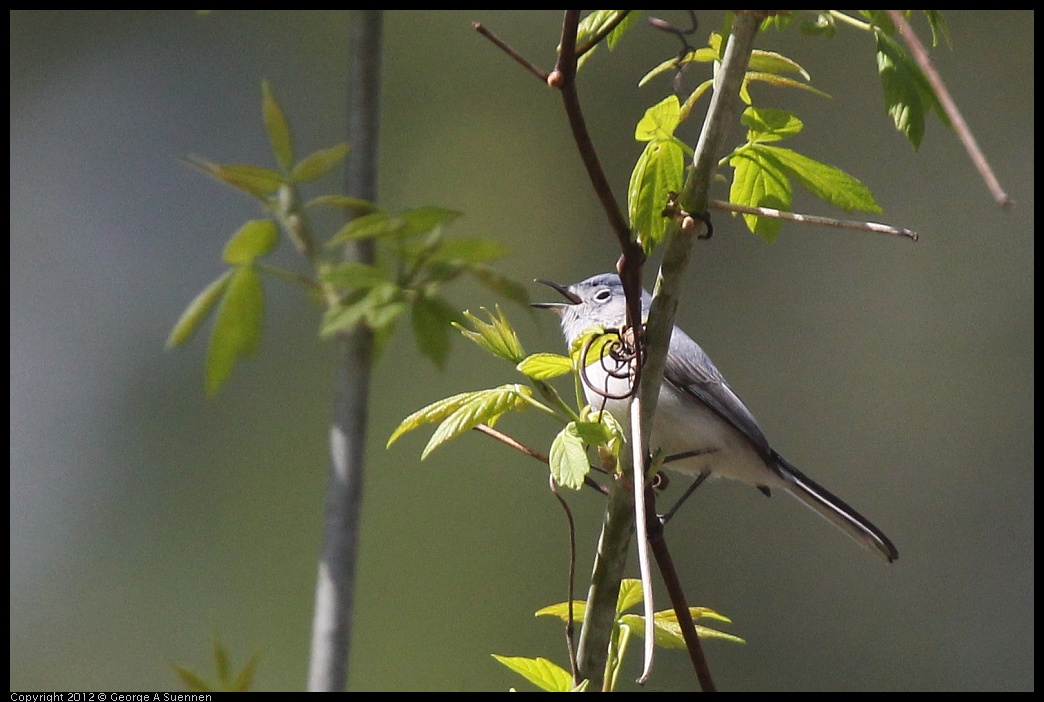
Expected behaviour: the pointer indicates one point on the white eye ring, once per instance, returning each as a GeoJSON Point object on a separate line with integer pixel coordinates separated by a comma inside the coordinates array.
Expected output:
{"type": "Point", "coordinates": [603, 295]}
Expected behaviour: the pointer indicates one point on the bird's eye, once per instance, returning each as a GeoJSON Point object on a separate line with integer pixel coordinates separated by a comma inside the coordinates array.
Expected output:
{"type": "Point", "coordinates": [603, 295]}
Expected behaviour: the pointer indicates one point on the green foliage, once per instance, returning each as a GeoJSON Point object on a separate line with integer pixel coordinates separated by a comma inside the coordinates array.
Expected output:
{"type": "Point", "coordinates": [414, 260]}
{"type": "Point", "coordinates": [227, 680]}
{"type": "Point", "coordinates": [553, 678]}
{"type": "Point", "coordinates": [597, 21]}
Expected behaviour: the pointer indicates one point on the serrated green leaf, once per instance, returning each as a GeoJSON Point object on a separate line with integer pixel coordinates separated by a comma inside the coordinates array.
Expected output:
{"type": "Point", "coordinates": [237, 327]}
{"type": "Point", "coordinates": [496, 336]}
{"type": "Point", "coordinates": [760, 181]}
{"type": "Point", "coordinates": [702, 55]}
{"type": "Point", "coordinates": [197, 311]}
{"type": "Point", "coordinates": [659, 121]}
{"type": "Point", "coordinates": [561, 610]}
{"type": "Point", "coordinates": [593, 433]}
{"type": "Point", "coordinates": [595, 22]}
{"type": "Point", "coordinates": [544, 366]}
{"type": "Point", "coordinates": [260, 182]}
{"type": "Point", "coordinates": [432, 318]}
{"type": "Point", "coordinates": [825, 181]}
{"type": "Point", "coordinates": [568, 458]}
{"type": "Point", "coordinates": [770, 125]}
{"type": "Point", "coordinates": [772, 62]}
{"type": "Point", "coordinates": [354, 205]}
{"type": "Point", "coordinates": [485, 408]}
{"type": "Point", "coordinates": [253, 240]}
{"type": "Point", "coordinates": [318, 164]}
{"type": "Point", "coordinates": [659, 171]}
{"type": "Point", "coordinates": [351, 275]}
{"type": "Point", "coordinates": [667, 630]}
{"type": "Point", "coordinates": [539, 671]}
{"type": "Point", "coordinates": [500, 284]}
{"type": "Point", "coordinates": [277, 128]}
{"type": "Point", "coordinates": [468, 249]}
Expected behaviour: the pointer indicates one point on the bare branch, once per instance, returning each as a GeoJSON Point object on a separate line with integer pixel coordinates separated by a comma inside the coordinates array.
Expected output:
{"type": "Point", "coordinates": [814, 219]}
{"type": "Point", "coordinates": [503, 46]}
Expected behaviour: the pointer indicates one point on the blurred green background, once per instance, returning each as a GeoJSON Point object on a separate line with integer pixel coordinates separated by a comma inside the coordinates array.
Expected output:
{"type": "Point", "coordinates": [145, 518]}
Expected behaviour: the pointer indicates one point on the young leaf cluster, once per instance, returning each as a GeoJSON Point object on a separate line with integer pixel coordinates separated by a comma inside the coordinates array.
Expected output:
{"type": "Point", "coordinates": [414, 260]}
{"type": "Point", "coordinates": [227, 679]}
{"type": "Point", "coordinates": [582, 429]}
{"type": "Point", "coordinates": [763, 172]}
{"type": "Point", "coordinates": [551, 677]}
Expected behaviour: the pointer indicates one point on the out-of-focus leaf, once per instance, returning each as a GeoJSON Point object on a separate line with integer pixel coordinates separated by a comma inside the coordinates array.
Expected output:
{"type": "Point", "coordinates": [352, 274]}
{"type": "Point", "coordinates": [260, 182]}
{"type": "Point", "coordinates": [253, 240]}
{"type": "Point", "coordinates": [372, 226]}
{"type": "Point", "coordinates": [197, 311]}
{"type": "Point", "coordinates": [424, 219]}
{"type": "Point", "coordinates": [469, 249]}
{"type": "Point", "coordinates": [432, 319]}
{"type": "Point", "coordinates": [277, 127]}
{"type": "Point", "coordinates": [237, 327]}
{"type": "Point", "coordinates": [500, 284]}
{"type": "Point", "coordinates": [821, 26]}
{"type": "Point", "coordinates": [353, 205]}
{"type": "Point", "coordinates": [907, 92]}
{"type": "Point", "coordinates": [318, 164]}
{"type": "Point", "coordinates": [192, 680]}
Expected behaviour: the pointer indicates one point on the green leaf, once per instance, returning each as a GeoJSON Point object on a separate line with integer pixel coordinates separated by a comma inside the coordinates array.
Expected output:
{"type": "Point", "coordinates": [760, 181]}
{"type": "Point", "coordinates": [595, 22]}
{"type": "Point", "coordinates": [432, 318]}
{"type": "Point", "coordinates": [496, 336]}
{"type": "Point", "coordinates": [197, 311]}
{"type": "Point", "coordinates": [630, 594]}
{"type": "Point", "coordinates": [245, 677]}
{"type": "Point", "coordinates": [468, 249]}
{"type": "Point", "coordinates": [378, 306]}
{"type": "Point", "coordinates": [659, 121]}
{"type": "Point", "coordinates": [192, 680]}
{"type": "Point", "coordinates": [772, 62]}
{"type": "Point", "coordinates": [908, 95]}
{"type": "Point", "coordinates": [277, 127]}
{"type": "Point", "coordinates": [702, 55]}
{"type": "Point", "coordinates": [222, 665]}
{"type": "Point", "coordinates": [770, 125]}
{"type": "Point", "coordinates": [260, 182]}
{"type": "Point", "coordinates": [376, 225]}
{"type": "Point", "coordinates": [459, 413]}
{"type": "Point", "coordinates": [254, 239]}
{"type": "Point", "coordinates": [237, 327]}
{"type": "Point", "coordinates": [500, 284]}
{"type": "Point", "coordinates": [318, 164]}
{"type": "Point", "coordinates": [351, 275]}
{"type": "Point", "coordinates": [779, 82]}
{"type": "Point", "coordinates": [568, 458]}
{"type": "Point", "coordinates": [561, 610]}
{"type": "Point", "coordinates": [660, 170]}
{"type": "Point", "coordinates": [353, 205]}
{"type": "Point", "coordinates": [825, 182]}
{"type": "Point", "coordinates": [544, 366]}
{"type": "Point", "coordinates": [424, 219]}
{"type": "Point", "coordinates": [667, 630]}
{"type": "Point", "coordinates": [539, 671]}
{"type": "Point", "coordinates": [821, 26]}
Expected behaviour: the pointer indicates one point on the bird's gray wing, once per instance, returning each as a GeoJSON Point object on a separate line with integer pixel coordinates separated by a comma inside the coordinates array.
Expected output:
{"type": "Point", "coordinates": [690, 370]}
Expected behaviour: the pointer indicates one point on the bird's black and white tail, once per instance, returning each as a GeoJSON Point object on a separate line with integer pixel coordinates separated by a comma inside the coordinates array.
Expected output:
{"type": "Point", "coordinates": [835, 510]}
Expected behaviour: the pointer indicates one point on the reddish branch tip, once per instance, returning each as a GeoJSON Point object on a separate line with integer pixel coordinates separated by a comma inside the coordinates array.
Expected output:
{"type": "Point", "coordinates": [555, 79]}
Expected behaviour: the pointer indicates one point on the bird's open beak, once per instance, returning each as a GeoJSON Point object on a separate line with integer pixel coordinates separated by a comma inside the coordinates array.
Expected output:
{"type": "Point", "coordinates": [573, 298]}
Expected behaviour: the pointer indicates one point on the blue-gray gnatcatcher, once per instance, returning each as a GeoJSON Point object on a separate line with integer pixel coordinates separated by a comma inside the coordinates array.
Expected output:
{"type": "Point", "coordinates": [698, 416]}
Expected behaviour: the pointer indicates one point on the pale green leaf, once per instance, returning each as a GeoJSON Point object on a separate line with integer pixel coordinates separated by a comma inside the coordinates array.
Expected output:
{"type": "Point", "coordinates": [245, 677]}
{"type": "Point", "coordinates": [467, 249]}
{"type": "Point", "coordinates": [484, 407]}
{"type": "Point", "coordinates": [277, 128]}
{"type": "Point", "coordinates": [424, 219]}
{"type": "Point", "coordinates": [767, 124]}
{"type": "Point", "coordinates": [659, 121]}
{"type": "Point", "coordinates": [824, 181]}
{"type": "Point", "coordinates": [702, 55]}
{"type": "Point", "coordinates": [630, 594]}
{"type": "Point", "coordinates": [667, 632]}
{"type": "Point", "coordinates": [660, 170]}
{"type": "Point", "coordinates": [197, 311]}
{"type": "Point", "coordinates": [568, 458]}
{"type": "Point", "coordinates": [237, 327]}
{"type": "Point", "coordinates": [496, 336]}
{"type": "Point", "coordinates": [779, 82]}
{"type": "Point", "coordinates": [760, 181]}
{"type": "Point", "coordinates": [598, 20]}
{"type": "Point", "coordinates": [539, 671]}
{"type": "Point", "coordinates": [222, 665]}
{"type": "Point", "coordinates": [260, 182]}
{"type": "Point", "coordinates": [192, 680]}
{"type": "Point", "coordinates": [544, 366]}
{"type": "Point", "coordinates": [253, 240]}
{"type": "Point", "coordinates": [378, 305]}
{"type": "Point", "coordinates": [375, 225]}
{"type": "Point", "coordinates": [772, 62]}
{"type": "Point", "coordinates": [561, 610]}
{"type": "Point", "coordinates": [822, 25]}
{"type": "Point", "coordinates": [318, 164]}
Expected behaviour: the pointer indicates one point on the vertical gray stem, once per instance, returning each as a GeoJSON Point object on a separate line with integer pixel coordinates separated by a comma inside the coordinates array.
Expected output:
{"type": "Point", "coordinates": [335, 588]}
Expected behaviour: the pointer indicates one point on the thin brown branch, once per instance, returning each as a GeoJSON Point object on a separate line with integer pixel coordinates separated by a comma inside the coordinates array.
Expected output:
{"type": "Point", "coordinates": [503, 46]}
{"type": "Point", "coordinates": [542, 457]}
{"type": "Point", "coordinates": [814, 219]}
{"type": "Point", "coordinates": [946, 100]}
